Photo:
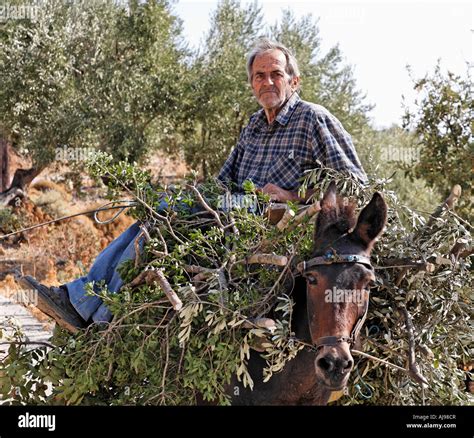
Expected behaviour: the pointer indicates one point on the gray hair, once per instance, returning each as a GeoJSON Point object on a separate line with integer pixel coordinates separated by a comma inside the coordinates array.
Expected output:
{"type": "Point", "coordinates": [264, 45]}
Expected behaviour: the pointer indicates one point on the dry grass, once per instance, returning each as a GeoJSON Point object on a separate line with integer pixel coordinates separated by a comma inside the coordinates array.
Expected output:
{"type": "Point", "coordinates": [45, 185]}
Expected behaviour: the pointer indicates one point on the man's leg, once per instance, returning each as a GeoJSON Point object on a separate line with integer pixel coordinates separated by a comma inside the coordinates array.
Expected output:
{"type": "Point", "coordinates": [104, 269]}
{"type": "Point", "coordinates": [69, 304]}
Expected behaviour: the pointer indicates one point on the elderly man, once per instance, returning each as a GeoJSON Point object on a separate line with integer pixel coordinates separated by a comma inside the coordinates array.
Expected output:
{"type": "Point", "coordinates": [287, 135]}
{"type": "Point", "coordinates": [281, 141]}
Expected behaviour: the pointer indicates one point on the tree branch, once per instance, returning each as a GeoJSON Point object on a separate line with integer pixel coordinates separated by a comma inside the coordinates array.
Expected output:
{"type": "Point", "coordinates": [151, 276]}
{"type": "Point", "coordinates": [206, 205]}
{"type": "Point", "coordinates": [412, 365]}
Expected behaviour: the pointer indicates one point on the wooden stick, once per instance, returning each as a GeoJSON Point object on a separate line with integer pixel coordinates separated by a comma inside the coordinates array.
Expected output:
{"type": "Point", "coordinates": [167, 289]}
{"type": "Point", "coordinates": [232, 225]}
{"type": "Point", "coordinates": [386, 362]}
{"type": "Point", "coordinates": [136, 245]}
{"type": "Point", "coordinates": [195, 269]}
{"type": "Point", "coordinates": [285, 220]}
{"type": "Point", "coordinates": [159, 254]}
{"type": "Point", "coordinates": [267, 259]}
{"type": "Point", "coordinates": [461, 250]}
{"type": "Point", "coordinates": [206, 205]}
{"type": "Point", "coordinates": [275, 212]}
{"type": "Point", "coordinates": [265, 323]}
{"type": "Point", "coordinates": [223, 286]}
{"type": "Point", "coordinates": [202, 276]}
{"type": "Point", "coordinates": [419, 266]}
{"type": "Point", "coordinates": [390, 364]}
{"type": "Point", "coordinates": [138, 280]}
{"type": "Point", "coordinates": [448, 204]}
{"type": "Point", "coordinates": [305, 214]}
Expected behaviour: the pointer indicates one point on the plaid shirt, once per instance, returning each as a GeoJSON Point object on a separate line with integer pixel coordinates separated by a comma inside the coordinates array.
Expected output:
{"type": "Point", "coordinates": [282, 151]}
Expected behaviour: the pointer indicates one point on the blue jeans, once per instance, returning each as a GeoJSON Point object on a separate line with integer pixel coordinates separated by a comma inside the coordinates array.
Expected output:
{"type": "Point", "coordinates": [105, 269]}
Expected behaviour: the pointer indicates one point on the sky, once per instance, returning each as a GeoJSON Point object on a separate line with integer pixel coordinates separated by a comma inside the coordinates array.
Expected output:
{"type": "Point", "coordinates": [377, 38]}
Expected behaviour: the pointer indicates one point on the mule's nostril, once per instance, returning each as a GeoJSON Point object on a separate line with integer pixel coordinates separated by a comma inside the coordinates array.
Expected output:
{"type": "Point", "coordinates": [347, 366]}
{"type": "Point", "coordinates": [325, 364]}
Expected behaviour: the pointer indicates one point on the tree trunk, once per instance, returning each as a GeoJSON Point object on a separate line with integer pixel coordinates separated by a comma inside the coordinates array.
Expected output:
{"type": "Point", "coordinates": [14, 186]}
{"type": "Point", "coordinates": [4, 165]}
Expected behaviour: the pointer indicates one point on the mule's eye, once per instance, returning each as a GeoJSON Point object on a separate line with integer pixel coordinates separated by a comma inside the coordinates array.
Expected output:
{"type": "Point", "coordinates": [311, 279]}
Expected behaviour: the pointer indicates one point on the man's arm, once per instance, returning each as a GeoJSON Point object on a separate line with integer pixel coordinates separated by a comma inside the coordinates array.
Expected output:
{"type": "Point", "coordinates": [278, 194]}
{"type": "Point", "coordinates": [333, 142]}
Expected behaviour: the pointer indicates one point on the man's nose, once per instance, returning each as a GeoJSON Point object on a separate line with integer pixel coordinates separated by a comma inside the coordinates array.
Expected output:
{"type": "Point", "coordinates": [267, 80]}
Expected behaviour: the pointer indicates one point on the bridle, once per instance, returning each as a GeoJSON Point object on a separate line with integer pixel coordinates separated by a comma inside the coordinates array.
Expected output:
{"type": "Point", "coordinates": [330, 257]}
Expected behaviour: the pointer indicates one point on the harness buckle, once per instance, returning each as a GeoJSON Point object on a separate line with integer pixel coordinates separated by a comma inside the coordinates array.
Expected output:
{"type": "Point", "coordinates": [330, 257]}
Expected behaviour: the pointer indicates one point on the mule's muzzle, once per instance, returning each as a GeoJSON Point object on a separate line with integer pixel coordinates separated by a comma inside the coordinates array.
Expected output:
{"type": "Point", "coordinates": [333, 366]}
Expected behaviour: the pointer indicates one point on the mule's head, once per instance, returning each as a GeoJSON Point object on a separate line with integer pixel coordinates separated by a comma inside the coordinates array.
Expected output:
{"type": "Point", "coordinates": [338, 278]}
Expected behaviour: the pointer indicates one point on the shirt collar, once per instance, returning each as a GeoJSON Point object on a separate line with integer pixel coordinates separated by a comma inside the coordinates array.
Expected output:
{"type": "Point", "coordinates": [284, 114]}
{"type": "Point", "coordinates": [288, 109]}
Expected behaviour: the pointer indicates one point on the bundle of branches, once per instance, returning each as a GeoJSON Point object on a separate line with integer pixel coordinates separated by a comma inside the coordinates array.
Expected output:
{"type": "Point", "coordinates": [195, 301]}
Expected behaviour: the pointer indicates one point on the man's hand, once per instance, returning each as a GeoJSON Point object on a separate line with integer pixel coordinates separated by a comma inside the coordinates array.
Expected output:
{"type": "Point", "coordinates": [278, 194]}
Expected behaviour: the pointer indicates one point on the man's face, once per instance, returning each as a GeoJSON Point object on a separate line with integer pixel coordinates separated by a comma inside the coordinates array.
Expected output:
{"type": "Point", "coordinates": [271, 84]}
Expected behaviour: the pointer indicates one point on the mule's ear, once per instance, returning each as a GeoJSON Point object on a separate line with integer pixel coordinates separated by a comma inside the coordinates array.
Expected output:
{"type": "Point", "coordinates": [329, 211]}
{"type": "Point", "coordinates": [371, 220]}
{"type": "Point", "coordinates": [329, 200]}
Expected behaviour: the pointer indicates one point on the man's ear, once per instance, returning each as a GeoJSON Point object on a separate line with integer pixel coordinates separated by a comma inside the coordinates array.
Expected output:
{"type": "Point", "coordinates": [295, 83]}
{"type": "Point", "coordinates": [371, 221]}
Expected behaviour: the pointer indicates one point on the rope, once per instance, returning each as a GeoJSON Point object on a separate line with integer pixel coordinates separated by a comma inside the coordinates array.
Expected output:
{"type": "Point", "coordinates": [121, 207]}
{"type": "Point", "coordinates": [369, 393]}
{"type": "Point", "coordinates": [121, 210]}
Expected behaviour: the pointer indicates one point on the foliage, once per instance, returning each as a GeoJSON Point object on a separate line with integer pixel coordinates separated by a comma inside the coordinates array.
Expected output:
{"type": "Point", "coordinates": [390, 153]}
{"type": "Point", "coordinates": [220, 101]}
{"type": "Point", "coordinates": [9, 221]}
{"type": "Point", "coordinates": [442, 121]}
{"type": "Point", "coordinates": [151, 354]}
{"type": "Point", "coordinates": [121, 79]}
{"type": "Point", "coordinates": [90, 74]}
